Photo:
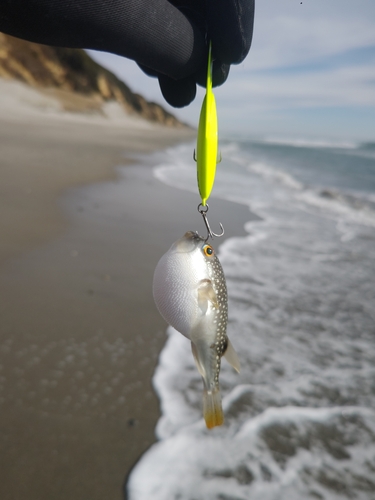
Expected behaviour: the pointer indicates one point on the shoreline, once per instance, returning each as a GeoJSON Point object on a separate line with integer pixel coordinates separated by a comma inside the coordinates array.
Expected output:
{"type": "Point", "coordinates": [48, 154]}
{"type": "Point", "coordinates": [80, 334]}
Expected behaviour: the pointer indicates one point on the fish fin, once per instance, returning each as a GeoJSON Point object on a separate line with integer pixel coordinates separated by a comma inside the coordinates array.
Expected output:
{"type": "Point", "coordinates": [232, 357]}
{"type": "Point", "coordinates": [196, 359]}
{"type": "Point", "coordinates": [212, 410]}
{"type": "Point", "coordinates": [206, 295]}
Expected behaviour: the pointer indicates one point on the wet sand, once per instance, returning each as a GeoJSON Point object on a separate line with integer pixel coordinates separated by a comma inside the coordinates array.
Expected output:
{"type": "Point", "coordinates": [79, 333]}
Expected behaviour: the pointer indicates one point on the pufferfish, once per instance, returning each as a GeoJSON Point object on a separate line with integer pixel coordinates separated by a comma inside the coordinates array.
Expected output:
{"type": "Point", "coordinates": [191, 294]}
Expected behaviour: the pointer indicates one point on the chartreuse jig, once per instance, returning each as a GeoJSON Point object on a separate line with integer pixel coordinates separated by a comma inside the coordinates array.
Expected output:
{"type": "Point", "coordinates": [207, 147]}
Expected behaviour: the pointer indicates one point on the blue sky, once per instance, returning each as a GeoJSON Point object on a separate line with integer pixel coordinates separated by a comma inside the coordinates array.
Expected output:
{"type": "Point", "coordinates": [310, 74]}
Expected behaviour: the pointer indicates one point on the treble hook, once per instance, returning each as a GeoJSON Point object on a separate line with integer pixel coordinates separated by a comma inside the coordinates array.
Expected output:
{"type": "Point", "coordinates": [209, 230]}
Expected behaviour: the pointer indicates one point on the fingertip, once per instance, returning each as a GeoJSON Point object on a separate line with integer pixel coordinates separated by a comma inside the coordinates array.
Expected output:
{"type": "Point", "coordinates": [220, 72]}
{"type": "Point", "coordinates": [177, 93]}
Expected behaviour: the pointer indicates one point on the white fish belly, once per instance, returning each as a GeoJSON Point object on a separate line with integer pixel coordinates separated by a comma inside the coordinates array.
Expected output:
{"type": "Point", "coordinates": [175, 288]}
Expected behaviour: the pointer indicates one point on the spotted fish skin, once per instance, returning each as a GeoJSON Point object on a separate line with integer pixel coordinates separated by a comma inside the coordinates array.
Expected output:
{"type": "Point", "coordinates": [191, 294]}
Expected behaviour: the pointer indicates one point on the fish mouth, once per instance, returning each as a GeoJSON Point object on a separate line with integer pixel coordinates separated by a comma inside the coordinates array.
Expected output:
{"type": "Point", "coordinates": [188, 243]}
{"type": "Point", "coordinates": [192, 235]}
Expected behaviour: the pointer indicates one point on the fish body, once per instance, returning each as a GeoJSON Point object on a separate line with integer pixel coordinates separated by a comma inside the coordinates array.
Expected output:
{"type": "Point", "coordinates": [190, 292]}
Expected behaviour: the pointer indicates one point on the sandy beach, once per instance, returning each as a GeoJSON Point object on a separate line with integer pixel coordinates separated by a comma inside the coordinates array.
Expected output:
{"type": "Point", "coordinates": [79, 333]}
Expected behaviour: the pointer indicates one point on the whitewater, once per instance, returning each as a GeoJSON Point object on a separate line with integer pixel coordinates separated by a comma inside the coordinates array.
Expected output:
{"type": "Point", "coordinates": [300, 417]}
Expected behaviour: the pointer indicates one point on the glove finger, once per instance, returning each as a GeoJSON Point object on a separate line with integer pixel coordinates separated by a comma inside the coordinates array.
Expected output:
{"type": "Point", "coordinates": [195, 10]}
{"type": "Point", "coordinates": [220, 72]}
{"type": "Point", "coordinates": [154, 33]}
{"type": "Point", "coordinates": [178, 93]}
{"type": "Point", "coordinates": [230, 26]}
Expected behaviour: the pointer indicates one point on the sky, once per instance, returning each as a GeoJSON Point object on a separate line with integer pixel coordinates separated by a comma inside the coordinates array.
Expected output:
{"type": "Point", "coordinates": [310, 74]}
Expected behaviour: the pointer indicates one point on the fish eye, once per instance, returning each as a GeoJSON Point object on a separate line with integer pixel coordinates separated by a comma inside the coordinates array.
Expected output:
{"type": "Point", "coordinates": [208, 250]}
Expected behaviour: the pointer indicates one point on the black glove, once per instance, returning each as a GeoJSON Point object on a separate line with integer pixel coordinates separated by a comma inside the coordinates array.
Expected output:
{"type": "Point", "coordinates": [168, 39]}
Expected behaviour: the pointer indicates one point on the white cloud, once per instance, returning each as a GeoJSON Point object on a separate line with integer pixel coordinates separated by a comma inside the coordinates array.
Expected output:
{"type": "Point", "coordinates": [346, 86]}
{"type": "Point", "coordinates": [287, 33]}
{"type": "Point", "coordinates": [302, 41]}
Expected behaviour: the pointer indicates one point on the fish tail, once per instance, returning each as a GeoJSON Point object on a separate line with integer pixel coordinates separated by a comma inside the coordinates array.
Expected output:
{"type": "Point", "coordinates": [212, 410]}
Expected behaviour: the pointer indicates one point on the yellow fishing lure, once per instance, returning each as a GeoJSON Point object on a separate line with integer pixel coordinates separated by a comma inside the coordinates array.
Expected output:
{"type": "Point", "coordinates": [207, 140]}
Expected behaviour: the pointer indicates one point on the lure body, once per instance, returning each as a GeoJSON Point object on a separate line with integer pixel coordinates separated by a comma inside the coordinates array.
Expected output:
{"type": "Point", "coordinates": [190, 292]}
{"type": "Point", "coordinates": [207, 140]}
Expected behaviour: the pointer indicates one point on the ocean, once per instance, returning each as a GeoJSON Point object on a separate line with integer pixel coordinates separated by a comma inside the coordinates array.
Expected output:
{"type": "Point", "coordinates": [300, 417]}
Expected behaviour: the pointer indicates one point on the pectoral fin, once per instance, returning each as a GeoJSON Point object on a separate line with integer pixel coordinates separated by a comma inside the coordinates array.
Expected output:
{"type": "Point", "coordinates": [232, 357]}
{"type": "Point", "coordinates": [196, 359]}
{"type": "Point", "coordinates": [206, 295]}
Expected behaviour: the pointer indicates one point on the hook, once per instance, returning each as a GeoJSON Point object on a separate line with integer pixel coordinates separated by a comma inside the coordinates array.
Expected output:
{"type": "Point", "coordinates": [209, 230]}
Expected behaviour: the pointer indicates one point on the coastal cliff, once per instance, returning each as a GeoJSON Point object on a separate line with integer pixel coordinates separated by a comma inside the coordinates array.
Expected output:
{"type": "Point", "coordinates": [74, 79]}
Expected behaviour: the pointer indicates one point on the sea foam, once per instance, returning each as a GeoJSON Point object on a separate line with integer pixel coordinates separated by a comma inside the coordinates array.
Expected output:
{"type": "Point", "coordinates": [299, 418]}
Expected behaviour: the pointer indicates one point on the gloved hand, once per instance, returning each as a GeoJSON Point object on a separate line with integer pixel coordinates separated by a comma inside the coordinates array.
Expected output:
{"type": "Point", "coordinates": [167, 38]}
